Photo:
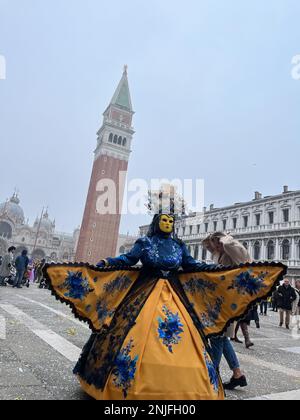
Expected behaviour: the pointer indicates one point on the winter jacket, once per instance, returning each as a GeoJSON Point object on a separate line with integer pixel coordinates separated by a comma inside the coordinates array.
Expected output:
{"type": "Point", "coordinates": [6, 265]}
{"type": "Point", "coordinates": [21, 263]}
{"type": "Point", "coordinates": [286, 297]}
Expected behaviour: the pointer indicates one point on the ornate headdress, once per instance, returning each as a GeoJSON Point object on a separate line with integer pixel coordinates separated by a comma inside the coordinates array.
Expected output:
{"type": "Point", "coordinates": [165, 201]}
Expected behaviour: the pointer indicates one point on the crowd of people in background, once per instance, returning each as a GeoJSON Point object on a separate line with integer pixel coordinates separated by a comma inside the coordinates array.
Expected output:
{"type": "Point", "coordinates": [19, 271]}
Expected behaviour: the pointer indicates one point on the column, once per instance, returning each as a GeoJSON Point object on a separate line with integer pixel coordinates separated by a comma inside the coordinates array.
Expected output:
{"type": "Point", "coordinates": [277, 250]}
{"type": "Point", "coordinates": [250, 249]}
{"type": "Point", "coordinates": [263, 249]}
{"type": "Point", "coordinates": [293, 250]}
{"type": "Point", "coordinates": [192, 250]}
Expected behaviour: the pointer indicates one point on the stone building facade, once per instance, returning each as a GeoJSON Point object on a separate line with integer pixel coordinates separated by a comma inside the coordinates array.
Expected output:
{"type": "Point", "coordinates": [41, 239]}
{"type": "Point", "coordinates": [269, 227]}
{"type": "Point", "coordinates": [125, 243]}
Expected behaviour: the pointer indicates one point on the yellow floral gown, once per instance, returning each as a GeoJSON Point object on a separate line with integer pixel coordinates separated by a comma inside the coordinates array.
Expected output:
{"type": "Point", "coordinates": [151, 325]}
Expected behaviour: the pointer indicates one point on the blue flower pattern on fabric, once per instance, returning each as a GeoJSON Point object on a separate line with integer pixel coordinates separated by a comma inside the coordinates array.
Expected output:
{"type": "Point", "coordinates": [125, 368]}
{"type": "Point", "coordinates": [212, 313]}
{"type": "Point", "coordinates": [103, 311]}
{"type": "Point", "coordinates": [119, 284]}
{"type": "Point", "coordinates": [78, 286]}
{"type": "Point", "coordinates": [162, 253]}
{"type": "Point", "coordinates": [195, 285]}
{"type": "Point", "coordinates": [213, 376]}
{"type": "Point", "coordinates": [170, 329]}
{"type": "Point", "coordinates": [247, 283]}
{"type": "Point", "coordinates": [98, 357]}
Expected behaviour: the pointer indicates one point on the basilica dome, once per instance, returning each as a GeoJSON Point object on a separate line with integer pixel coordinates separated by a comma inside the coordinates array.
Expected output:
{"type": "Point", "coordinates": [45, 223]}
{"type": "Point", "coordinates": [12, 210]}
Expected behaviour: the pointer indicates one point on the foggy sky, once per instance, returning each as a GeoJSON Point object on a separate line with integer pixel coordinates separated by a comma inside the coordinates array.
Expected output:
{"type": "Point", "coordinates": [210, 82]}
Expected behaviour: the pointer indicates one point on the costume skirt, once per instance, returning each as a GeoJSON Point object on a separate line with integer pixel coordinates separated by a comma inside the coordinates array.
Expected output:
{"type": "Point", "coordinates": [163, 356]}
{"type": "Point", "coordinates": [150, 332]}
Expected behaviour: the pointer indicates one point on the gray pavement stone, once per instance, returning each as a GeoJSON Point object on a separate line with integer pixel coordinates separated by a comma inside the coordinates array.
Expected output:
{"type": "Point", "coordinates": [27, 393]}
{"type": "Point", "coordinates": [13, 374]}
{"type": "Point", "coordinates": [31, 369]}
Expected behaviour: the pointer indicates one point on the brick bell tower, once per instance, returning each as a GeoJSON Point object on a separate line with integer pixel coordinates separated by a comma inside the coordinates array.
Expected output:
{"type": "Point", "coordinates": [99, 232]}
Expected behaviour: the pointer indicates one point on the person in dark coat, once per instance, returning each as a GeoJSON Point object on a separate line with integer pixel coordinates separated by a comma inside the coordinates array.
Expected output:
{"type": "Point", "coordinates": [286, 296]}
{"type": "Point", "coordinates": [21, 265]}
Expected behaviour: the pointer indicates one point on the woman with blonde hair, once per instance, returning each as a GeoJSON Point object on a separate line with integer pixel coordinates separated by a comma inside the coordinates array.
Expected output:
{"type": "Point", "coordinates": [227, 251]}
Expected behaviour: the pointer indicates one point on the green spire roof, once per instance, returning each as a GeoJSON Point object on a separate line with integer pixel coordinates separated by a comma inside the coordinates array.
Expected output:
{"type": "Point", "coordinates": [122, 95]}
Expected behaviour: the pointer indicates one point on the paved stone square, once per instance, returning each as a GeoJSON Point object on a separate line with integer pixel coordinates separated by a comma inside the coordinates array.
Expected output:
{"type": "Point", "coordinates": [40, 341]}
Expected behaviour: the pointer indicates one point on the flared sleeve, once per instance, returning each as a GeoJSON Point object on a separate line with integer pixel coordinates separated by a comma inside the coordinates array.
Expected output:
{"type": "Point", "coordinates": [221, 296]}
{"type": "Point", "coordinates": [93, 293]}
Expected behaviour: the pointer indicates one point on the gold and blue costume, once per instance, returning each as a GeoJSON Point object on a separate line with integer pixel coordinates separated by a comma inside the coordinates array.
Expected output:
{"type": "Point", "coordinates": [151, 324]}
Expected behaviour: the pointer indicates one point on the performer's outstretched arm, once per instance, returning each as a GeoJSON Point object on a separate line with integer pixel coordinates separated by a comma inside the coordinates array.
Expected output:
{"type": "Point", "coordinates": [188, 262]}
{"type": "Point", "coordinates": [129, 259]}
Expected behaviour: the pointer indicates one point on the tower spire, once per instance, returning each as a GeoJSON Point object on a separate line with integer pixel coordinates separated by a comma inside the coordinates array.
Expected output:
{"type": "Point", "coordinates": [122, 98]}
{"type": "Point", "coordinates": [100, 229]}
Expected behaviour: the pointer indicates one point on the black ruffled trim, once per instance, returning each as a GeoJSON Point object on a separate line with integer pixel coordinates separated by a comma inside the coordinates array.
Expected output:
{"type": "Point", "coordinates": [216, 269]}
{"type": "Point", "coordinates": [66, 301]}
{"type": "Point", "coordinates": [93, 267]}
{"type": "Point", "coordinates": [208, 269]}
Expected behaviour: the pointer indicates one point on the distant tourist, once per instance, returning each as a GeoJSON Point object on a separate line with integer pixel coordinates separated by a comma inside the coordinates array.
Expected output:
{"type": "Point", "coordinates": [29, 274]}
{"type": "Point", "coordinates": [245, 323]}
{"type": "Point", "coordinates": [296, 304]}
{"type": "Point", "coordinates": [264, 308]}
{"type": "Point", "coordinates": [286, 297]}
{"type": "Point", "coordinates": [21, 264]}
{"type": "Point", "coordinates": [39, 271]}
{"type": "Point", "coordinates": [6, 266]}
